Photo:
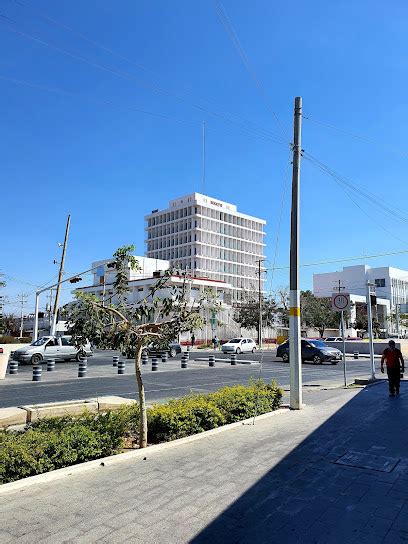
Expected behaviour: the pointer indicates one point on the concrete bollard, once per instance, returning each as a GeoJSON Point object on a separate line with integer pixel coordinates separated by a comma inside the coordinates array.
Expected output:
{"type": "Point", "coordinates": [184, 360]}
{"type": "Point", "coordinates": [82, 367]}
{"type": "Point", "coordinates": [211, 360]}
{"type": "Point", "coordinates": [233, 359]}
{"type": "Point", "coordinates": [145, 358]}
{"type": "Point", "coordinates": [164, 356]}
{"type": "Point", "coordinates": [356, 354]}
{"type": "Point", "coordinates": [13, 366]}
{"type": "Point", "coordinates": [37, 373]}
{"type": "Point", "coordinates": [50, 365]}
{"type": "Point", "coordinates": [155, 365]}
{"type": "Point", "coordinates": [187, 354]}
{"type": "Point", "coordinates": [115, 360]}
{"type": "Point", "coordinates": [121, 367]}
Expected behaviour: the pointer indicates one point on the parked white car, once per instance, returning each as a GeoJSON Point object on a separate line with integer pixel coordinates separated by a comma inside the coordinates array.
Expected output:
{"type": "Point", "coordinates": [45, 348]}
{"type": "Point", "coordinates": [239, 345]}
{"type": "Point", "coordinates": [334, 339]}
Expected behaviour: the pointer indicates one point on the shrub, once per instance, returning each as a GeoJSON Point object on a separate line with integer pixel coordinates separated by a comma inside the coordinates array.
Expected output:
{"type": "Point", "coordinates": [58, 442]}
{"type": "Point", "coordinates": [182, 417]}
{"type": "Point", "coordinates": [244, 401]}
{"type": "Point", "coordinates": [8, 340]}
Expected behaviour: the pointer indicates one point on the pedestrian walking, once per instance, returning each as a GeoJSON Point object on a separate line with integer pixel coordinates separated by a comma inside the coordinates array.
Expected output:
{"type": "Point", "coordinates": [394, 360]}
{"type": "Point", "coordinates": [215, 342]}
{"type": "Point", "coordinates": [192, 340]}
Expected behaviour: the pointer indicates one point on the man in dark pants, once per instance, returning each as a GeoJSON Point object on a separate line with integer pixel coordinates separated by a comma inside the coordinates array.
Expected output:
{"type": "Point", "coordinates": [395, 366]}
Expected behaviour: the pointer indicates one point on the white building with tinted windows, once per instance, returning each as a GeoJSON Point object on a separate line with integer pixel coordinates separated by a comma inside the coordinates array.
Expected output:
{"type": "Point", "coordinates": [210, 238]}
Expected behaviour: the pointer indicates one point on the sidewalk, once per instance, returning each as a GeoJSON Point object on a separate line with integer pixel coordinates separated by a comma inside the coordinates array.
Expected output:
{"type": "Point", "coordinates": [278, 481]}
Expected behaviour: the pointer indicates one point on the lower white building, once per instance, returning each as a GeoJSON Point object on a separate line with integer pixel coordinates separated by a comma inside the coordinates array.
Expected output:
{"type": "Point", "coordinates": [141, 281]}
{"type": "Point", "coordinates": [390, 285]}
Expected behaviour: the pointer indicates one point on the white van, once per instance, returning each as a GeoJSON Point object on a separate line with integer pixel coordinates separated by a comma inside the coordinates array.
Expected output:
{"type": "Point", "coordinates": [60, 348]}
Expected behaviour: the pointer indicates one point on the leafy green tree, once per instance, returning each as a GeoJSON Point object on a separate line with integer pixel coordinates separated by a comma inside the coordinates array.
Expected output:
{"type": "Point", "coordinates": [122, 325]}
{"type": "Point", "coordinates": [247, 314]}
{"type": "Point", "coordinates": [8, 325]}
{"type": "Point", "coordinates": [317, 312]}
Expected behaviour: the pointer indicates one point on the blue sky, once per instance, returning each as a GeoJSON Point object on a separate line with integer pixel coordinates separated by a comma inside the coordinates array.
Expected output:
{"type": "Point", "coordinates": [77, 143]}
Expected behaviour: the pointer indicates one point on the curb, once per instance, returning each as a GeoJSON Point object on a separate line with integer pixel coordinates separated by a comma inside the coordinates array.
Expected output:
{"type": "Point", "coordinates": [60, 473]}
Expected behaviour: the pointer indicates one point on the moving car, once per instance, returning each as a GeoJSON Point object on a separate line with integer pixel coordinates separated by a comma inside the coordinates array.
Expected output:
{"type": "Point", "coordinates": [239, 345]}
{"type": "Point", "coordinates": [172, 349]}
{"type": "Point", "coordinates": [312, 350]}
{"type": "Point", "coordinates": [60, 348]}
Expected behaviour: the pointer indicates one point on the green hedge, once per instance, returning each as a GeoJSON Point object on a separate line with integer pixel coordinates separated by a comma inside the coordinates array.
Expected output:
{"type": "Point", "coordinates": [182, 417]}
{"type": "Point", "coordinates": [197, 413]}
{"type": "Point", "coordinates": [63, 441]}
{"type": "Point", "coordinates": [14, 340]}
{"type": "Point", "coordinates": [58, 442]}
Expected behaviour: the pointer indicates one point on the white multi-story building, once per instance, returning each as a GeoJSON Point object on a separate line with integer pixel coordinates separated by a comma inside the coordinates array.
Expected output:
{"type": "Point", "coordinates": [210, 238]}
{"type": "Point", "coordinates": [390, 283]}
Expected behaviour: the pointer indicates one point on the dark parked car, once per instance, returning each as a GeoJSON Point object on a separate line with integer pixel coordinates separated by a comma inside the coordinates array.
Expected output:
{"type": "Point", "coordinates": [312, 350]}
{"type": "Point", "coordinates": [172, 349]}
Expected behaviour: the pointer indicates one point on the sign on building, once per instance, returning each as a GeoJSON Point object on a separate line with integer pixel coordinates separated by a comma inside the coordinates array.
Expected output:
{"type": "Point", "coordinates": [340, 301]}
{"type": "Point", "coordinates": [403, 308]}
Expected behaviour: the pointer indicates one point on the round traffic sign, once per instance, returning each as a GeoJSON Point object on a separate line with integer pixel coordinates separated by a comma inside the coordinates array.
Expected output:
{"type": "Point", "coordinates": [340, 301]}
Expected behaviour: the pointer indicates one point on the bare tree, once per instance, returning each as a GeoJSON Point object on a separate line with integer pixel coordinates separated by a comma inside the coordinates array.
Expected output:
{"type": "Point", "coordinates": [123, 325]}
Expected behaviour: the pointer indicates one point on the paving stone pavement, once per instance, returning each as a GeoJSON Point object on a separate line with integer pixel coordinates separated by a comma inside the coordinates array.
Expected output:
{"type": "Point", "coordinates": [275, 481]}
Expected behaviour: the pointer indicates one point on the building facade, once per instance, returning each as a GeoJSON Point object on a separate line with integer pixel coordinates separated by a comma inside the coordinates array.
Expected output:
{"type": "Point", "coordinates": [210, 238]}
{"type": "Point", "coordinates": [389, 283]}
{"type": "Point", "coordinates": [141, 281]}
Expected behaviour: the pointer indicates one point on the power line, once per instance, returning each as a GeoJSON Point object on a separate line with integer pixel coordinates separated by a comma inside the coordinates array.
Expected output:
{"type": "Point", "coordinates": [285, 185]}
{"type": "Point", "coordinates": [358, 136]}
{"type": "Point", "coordinates": [344, 188]}
{"type": "Point", "coordinates": [109, 50]}
{"type": "Point", "coordinates": [232, 34]}
{"type": "Point", "coordinates": [244, 125]}
{"type": "Point", "coordinates": [389, 208]}
{"type": "Point", "coordinates": [345, 259]}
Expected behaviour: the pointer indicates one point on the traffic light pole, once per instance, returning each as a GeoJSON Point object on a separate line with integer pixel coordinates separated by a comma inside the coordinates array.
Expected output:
{"type": "Point", "coordinates": [295, 356]}
{"type": "Point", "coordinates": [38, 293]}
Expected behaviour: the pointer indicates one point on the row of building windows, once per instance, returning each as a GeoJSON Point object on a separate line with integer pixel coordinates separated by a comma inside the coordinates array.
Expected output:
{"type": "Point", "coordinates": [181, 213]}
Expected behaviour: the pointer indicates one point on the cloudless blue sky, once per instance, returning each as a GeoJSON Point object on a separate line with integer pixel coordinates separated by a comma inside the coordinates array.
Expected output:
{"type": "Point", "coordinates": [79, 145]}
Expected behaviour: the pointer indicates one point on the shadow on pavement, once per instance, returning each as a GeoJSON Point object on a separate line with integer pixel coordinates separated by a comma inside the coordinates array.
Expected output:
{"type": "Point", "coordinates": [309, 497]}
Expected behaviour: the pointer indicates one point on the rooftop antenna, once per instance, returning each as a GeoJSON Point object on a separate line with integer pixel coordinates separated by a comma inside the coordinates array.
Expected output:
{"type": "Point", "coordinates": [203, 161]}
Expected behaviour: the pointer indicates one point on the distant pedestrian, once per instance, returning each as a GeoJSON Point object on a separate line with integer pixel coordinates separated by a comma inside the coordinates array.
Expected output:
{"type": "Point", "coordinates": [192, 340]}
{"type": "Point", "coordinates": [215, 342]}
{"type": "Point", "coordinates": [394, 360]}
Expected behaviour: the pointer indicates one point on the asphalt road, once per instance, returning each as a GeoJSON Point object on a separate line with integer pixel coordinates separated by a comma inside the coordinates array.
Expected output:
{"type": "Point", "coordinates": [169, 382]}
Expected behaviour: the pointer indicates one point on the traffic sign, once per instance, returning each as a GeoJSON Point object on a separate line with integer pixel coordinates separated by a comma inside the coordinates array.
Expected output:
{"type": "Point", "coordinates": [340, 301]}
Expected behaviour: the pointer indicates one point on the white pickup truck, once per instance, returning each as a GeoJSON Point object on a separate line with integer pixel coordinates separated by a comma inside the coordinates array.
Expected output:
{"type": "Point", "coordinates": [59, 348]}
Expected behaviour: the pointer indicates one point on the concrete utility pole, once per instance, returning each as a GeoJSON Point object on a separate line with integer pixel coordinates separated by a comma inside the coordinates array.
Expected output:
{"type": "Point", "coordinates": [295, 354]}
{"type": "Point", "coordinates": [60, 274]}
{"type": "Point", "coordinates": [259, 261]}
{"type": "Point", "coordinates": [23, 300]}
{"type": "Point", "coordinates": [370, 329]}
